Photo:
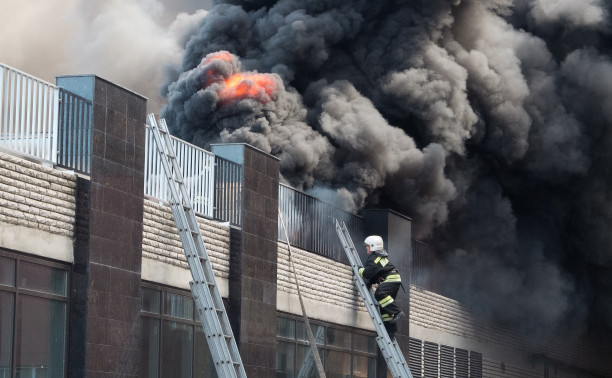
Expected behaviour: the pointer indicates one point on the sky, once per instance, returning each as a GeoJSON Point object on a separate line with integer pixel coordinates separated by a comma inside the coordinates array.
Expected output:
{"type": "Point", "coordinates": [128, 42]}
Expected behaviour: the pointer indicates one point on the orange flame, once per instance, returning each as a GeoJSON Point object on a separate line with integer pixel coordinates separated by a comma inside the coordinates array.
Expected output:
{"type": "Point", "coordinates": [220, 55]}
{"type": "Point", "coordinates": [242, 85]}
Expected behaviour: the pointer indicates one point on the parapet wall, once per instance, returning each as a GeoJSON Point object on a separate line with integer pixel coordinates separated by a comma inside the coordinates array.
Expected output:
{"type": "Point", "coordinates": [326, 286]}
{"type": "Point", "coordinates": [161, 241]}
{"type": "Point", "coordinates": [37, 208]}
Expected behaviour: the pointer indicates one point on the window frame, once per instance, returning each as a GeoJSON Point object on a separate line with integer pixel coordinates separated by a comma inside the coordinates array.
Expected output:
{"type": "Point", "coordinates": [19, 292]}
{"type": "Point", "coordinates": [324, 346]}
{"type": "Point", "coordinates": [194, 322]}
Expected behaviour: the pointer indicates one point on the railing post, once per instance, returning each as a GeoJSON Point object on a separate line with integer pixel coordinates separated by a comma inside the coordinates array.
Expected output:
{"type": "Point", "coordinates": [53, 139]}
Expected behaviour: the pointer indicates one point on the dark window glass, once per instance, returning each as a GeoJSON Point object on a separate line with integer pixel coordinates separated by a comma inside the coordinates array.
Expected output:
{"type": "Point", "coordinates": [7, 304]}
{"type": "Point", "coordinates": [40, 337]}
{"type": "Point", "coordinates": [338, 338]}
{"type": "Point", "coordinates": [364, 367]}
{"type": "Point", "coordinates": [7, 272]}
{"type": "Point", "coordinates": [285, 360]}
{"type": "Point", "coordinates": [43, 279]}
{"type": "Point", "coordinates": [337, 364]}
{"type": "Point", "coordinates": [365, 343]}
{"type": "Point", "coordinates": [204, 366]}
{"type": "Point", "coordinates": [178, 306]}
{"type": "Point", "coordinates": [318, 331]}
{"type": "Point", "coordinates": [285, 327]}
{"type": "Point", "coordinates": [150, 300]}
{"type": "Point", "coordinates": [305, 363]}
{"type": "Point", "coordinates": [149, 356]}
{"type": "Point", "coordinates": [177, 349]}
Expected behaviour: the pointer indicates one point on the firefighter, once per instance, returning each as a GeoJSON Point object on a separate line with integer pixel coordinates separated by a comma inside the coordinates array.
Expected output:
{"type": "Point", "coordinates": [378, 270]}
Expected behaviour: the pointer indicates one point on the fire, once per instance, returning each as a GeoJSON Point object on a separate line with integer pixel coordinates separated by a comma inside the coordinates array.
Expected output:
{"type": "Point", "coordinates": [239, 85]}
{"type": "Point", "coordinates": [220, 55]}
{"type": "Point", "coordinates": [243, 85]}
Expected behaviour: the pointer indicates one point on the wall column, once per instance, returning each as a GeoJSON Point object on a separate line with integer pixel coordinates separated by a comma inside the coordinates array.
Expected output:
{"type": "Point", "coordinates": [253, 260]}
{"type": "Point", "coordinates": [108, 251]}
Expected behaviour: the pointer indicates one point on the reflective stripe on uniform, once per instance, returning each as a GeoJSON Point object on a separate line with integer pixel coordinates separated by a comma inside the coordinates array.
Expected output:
{"type": "Point", "coordinates": [361, 271]}
{"type": "Point", "coordinates": [393, 278]}
{"type": "Point", "coordinates": [383, 260]}
{"type": "Point", "coordinates": [386, 317]}
{"type": "Point", "coordinates": [385, 301]}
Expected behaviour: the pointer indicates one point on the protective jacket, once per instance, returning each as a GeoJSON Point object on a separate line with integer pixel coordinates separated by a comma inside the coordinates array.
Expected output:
{"type": "Point", "coordinates": [378, 269]}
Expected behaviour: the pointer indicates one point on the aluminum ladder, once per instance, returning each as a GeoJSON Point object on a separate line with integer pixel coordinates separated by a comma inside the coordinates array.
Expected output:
{"type": "Point", "coordinates": [206, 295]}
{"type": "Point", "coordinates": [390, 349]}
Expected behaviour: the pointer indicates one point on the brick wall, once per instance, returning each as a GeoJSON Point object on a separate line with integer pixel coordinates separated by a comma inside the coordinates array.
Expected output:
{"type": "Point", "coordinates": [36, 196]}
{"type": "Point", "coordinates": [497, 369]}
{"type": "Point", "coordinates": [321, 279]}
{"type": "Point", "coordinates": [37, 208]}
{"type": "Point", "coordinates": [161, 241]}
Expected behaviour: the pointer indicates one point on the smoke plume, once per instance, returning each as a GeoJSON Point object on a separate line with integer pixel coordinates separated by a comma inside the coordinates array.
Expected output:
{"type": "Point", "coordinates": [486, 121]}
{"type": "Point", "coordinates": [129, 42]}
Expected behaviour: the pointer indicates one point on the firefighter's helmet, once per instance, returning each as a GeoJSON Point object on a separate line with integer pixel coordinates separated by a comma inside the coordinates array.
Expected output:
{"type": "Point", "coordinates": [375, 242]}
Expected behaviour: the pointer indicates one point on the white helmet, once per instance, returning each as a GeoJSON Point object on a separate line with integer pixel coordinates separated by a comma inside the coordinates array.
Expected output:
{"type": "Point", "coordinates": [375, 242]}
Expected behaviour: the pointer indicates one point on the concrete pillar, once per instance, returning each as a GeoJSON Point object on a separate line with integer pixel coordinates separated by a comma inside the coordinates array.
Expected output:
{"type": "Point", "coordinates": [395, 229]}
{"type": "Point", "coordinates": [108, 247]}
{"type": "Point", "coordinates": [253, 260]}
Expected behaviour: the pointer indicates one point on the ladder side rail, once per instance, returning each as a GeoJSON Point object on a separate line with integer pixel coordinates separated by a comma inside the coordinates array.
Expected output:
{"type": "Point", "coordinates": [309, 364]}
{"type": "Point", "coordinates": [390, 348]}
{"type": "Point", "coordinates": [391, 351]}
{"type": "Point", "coordinates": [209, 318]}
{"type": "Point", "coordinates": [203, 298]}
{"type": "Point", "coordinates": [211, 323]}
{"type": "Point", "coordinates": [208, 275]}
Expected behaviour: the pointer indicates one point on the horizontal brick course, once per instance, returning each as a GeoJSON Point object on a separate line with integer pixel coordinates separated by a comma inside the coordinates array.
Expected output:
{"type": "Point", "coordinates": [321, 278]}
{"type": "Point", "coordinates": [36, 196]}
{"type": "Point", "coordinates": [161, 241]}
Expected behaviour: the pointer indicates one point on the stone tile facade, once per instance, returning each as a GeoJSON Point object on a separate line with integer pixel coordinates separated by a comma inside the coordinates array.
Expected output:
{"type": "Point", "coordinates": [37, 208]}
{"type": "Point", "coordinates": [110, 248]}
{"type": "Point", "coordinates": [161, 241]}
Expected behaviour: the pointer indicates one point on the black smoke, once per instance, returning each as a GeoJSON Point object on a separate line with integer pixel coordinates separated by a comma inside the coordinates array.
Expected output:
{"type": "Point", "coordinates": [488, 122]}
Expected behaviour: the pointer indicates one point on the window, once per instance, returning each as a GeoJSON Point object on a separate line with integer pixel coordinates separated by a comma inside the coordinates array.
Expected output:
{"type": "Point", "coordinates": [33, 317]}
{"type": "Point", "coordinates": [345, 353]}
{"type": "Point", "coordinates": [172, 339]}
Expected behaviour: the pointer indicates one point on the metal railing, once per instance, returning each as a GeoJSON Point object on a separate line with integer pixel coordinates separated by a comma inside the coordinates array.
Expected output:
{"type": "Point", "coordinates": [197, 168]}
{"type": "Point", "coordinates": [75, 130]}
{"type": "Point", "coordinates": [28, 114]}
{"type": "Point", "coordinates": [228, 191]}
{"type": "Point", "coordinates": [426, 270]}
{"type": "Point", "coordinates": [310, 226]}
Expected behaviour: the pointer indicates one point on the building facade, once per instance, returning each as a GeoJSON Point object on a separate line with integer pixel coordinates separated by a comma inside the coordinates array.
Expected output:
{"type": "Point", "coordinates": [93, 281]}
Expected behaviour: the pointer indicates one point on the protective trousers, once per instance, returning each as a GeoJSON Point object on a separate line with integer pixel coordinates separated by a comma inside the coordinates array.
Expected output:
{"type": "Point", "coordinates": [385, 295]}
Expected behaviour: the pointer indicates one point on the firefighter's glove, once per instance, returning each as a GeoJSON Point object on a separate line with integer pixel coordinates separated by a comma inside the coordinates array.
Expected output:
{"type": "Point", "coordinates": [361, 271]}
